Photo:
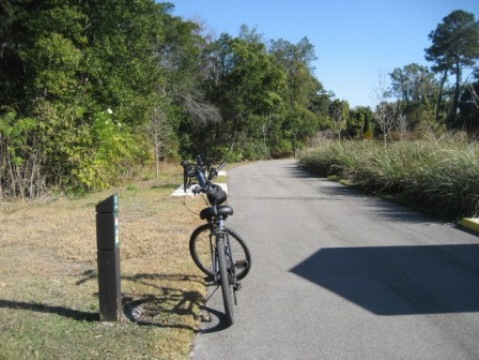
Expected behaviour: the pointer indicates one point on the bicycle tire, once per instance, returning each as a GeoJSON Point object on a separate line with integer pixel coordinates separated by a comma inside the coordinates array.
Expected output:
{"type": "Point", "coordinates": [202, 251]}
{"type": "Point", "coordinates": [226, 281]}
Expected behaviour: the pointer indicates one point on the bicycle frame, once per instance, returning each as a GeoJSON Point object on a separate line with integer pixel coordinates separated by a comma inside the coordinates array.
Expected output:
{"type": "Point", "coordinates": [217, 229]}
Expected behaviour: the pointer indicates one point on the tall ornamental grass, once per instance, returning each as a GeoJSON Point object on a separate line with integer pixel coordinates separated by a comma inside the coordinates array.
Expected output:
{"type": "Point", "coordinates": [439, 176]}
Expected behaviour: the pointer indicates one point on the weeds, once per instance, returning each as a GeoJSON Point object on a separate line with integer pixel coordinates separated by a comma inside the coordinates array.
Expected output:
{"type": "Point", "coordinates": [439, 176]}
{"type": "Point", "coordinates": [48, 277]}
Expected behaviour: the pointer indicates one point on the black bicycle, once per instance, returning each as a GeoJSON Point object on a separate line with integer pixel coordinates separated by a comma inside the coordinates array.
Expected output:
{"type": "Point", "coordinates": [218, 251]}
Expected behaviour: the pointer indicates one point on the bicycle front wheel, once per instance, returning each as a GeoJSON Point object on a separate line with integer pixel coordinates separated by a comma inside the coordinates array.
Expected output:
{"type": "Point", "coordinates": [202, 251]}
{"type": "Point", "coordinates": [226, 278]}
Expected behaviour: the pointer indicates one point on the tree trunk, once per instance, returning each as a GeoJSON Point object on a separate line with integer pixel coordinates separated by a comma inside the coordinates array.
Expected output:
{"type": "Point", "coordinates": [439, 98]}
{"type": "Point", "coordinates": [455, 102]}
{"type": "Point", "coordinates": [157, 161]}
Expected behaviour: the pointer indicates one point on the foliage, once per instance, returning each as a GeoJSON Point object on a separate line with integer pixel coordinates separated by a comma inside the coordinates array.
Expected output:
{"type": "Point", "coordinates": [90, 92]}
{"type": "Point", "coordinates": [82, 77]}
{"type": "Point", "coordinates": [455, 45]}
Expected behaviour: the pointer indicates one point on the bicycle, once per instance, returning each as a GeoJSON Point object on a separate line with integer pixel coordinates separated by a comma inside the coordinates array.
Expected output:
{"type": "Point", "coordinates": [218, 251]}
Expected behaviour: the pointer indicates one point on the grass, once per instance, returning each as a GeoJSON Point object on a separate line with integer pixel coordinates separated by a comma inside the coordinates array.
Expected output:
{"type": "Point", "coordinates": [438, 176]}
{"type": "Point", "coordinates": [48, 277]}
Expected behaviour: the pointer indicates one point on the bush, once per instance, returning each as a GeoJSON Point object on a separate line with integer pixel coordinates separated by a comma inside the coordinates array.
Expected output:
{"type": "Point", "coordinates": [439, 176]}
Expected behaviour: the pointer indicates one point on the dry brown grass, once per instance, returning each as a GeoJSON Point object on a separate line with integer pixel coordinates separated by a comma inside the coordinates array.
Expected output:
{"type": "Point", "coordinates": [48, 276]}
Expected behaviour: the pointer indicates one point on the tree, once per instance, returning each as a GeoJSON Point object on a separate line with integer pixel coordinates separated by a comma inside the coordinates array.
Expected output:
{"type": "Point", "coordinates": [455, 45]}
{"type": "Point", "coordinates": [302, 91]}
{"type": "Point", "coordinates": [40, 59]}
{"type": "Point", "coordinates": [469, 105]}
{"type": "Point", "coordinates": [413, 84]}
{"type": "Point", "coordinates": [417, 88]}
{"type": "Point", "coordinates": [388, 117]}
{"type": "Point", "coordinates": [297, 60]}
{"type": "Point", "coordinates": [339, 111]}
{"type": "Point", "coordinates": [384, 113]}
{"type": "Point", "coordinates": [361, 123]}
{"type": "Point", "coordinates": [244, 84]}
{"type": "Point", "coordinates": [78, 81]}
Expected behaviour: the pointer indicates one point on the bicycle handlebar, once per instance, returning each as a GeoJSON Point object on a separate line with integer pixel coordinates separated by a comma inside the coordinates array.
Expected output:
{"type": "Point", "coordinates": [204, 174]}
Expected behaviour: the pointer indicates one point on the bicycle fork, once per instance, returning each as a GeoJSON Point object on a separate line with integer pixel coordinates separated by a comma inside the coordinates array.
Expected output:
{"type": "Point", "coordinates": [231, 265]}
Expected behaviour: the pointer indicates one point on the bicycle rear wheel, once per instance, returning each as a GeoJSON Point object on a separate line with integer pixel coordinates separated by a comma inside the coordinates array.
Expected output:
{"type": "Point", "coordinates": [202, 251]}
{"type": "Point", "coordinates": [226, 278]}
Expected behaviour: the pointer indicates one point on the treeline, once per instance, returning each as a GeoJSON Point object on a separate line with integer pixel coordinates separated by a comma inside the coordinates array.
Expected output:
{"type": "Point", "coordinates": [419, 99]}
{"type": "Point", "coordinates": [90, 92]}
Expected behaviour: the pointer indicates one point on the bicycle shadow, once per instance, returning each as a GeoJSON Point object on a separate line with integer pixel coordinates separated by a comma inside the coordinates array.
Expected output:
{"type": "Point", "coordinates": [148, 309]}
{"type": "Point", "coordinates": [399, 280]}
{"type": "Point", "coordinates": [213, 320]}
{"type": "Point", "coordinates": [166, 307]}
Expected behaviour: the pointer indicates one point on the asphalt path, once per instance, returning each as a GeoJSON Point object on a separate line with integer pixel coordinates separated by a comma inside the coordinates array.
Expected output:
{"type": "Point", "coordinates": [340, 275]}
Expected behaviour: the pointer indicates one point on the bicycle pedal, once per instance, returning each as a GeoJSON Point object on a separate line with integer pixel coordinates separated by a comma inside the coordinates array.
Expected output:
{"type": "Point", "coordinates": [210, 280]}
{"type": "Point", "coordinates": [241, 264]}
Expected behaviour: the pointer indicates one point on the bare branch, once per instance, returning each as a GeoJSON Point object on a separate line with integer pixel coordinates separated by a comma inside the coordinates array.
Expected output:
{"type": "Point", "coordinates": [202, 113]}
{"type": "Point", "coordinates": [474, 96]}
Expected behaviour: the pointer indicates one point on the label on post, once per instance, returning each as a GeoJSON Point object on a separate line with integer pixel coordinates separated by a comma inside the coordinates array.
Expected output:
{"type": "Point", "coordinates": [117, 232]}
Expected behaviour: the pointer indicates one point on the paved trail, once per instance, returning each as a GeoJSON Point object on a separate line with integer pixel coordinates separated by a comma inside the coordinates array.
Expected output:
{"type": "Point", "coordinates": [339, 275]}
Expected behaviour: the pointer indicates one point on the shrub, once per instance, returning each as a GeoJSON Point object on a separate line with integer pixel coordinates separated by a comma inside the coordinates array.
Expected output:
{"type": "Point", "coordinates": [441, 176]}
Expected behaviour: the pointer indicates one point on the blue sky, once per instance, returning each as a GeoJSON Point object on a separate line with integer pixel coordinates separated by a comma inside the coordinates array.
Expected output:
{"type": "Point", "coordinates": [355, 40]}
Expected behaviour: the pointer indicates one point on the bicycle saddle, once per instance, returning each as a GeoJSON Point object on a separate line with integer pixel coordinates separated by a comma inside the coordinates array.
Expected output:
{"type": "Point", "coordinates": [223, 210]}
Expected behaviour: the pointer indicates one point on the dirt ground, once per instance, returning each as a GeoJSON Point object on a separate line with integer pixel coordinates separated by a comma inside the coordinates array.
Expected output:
{"type": "Point", "coordinates": [48, 276]}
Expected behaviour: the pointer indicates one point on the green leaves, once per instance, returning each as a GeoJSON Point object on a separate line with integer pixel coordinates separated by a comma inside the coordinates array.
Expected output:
{"type": "Point", "coordinates": [63, 64]}
{"type": "Point", "coordinates": [267, 97]}
{"type": "Point", "coordinates": [56, 61]}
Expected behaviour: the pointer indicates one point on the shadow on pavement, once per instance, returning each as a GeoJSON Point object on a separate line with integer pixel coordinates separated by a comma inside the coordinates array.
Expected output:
{"type": "Point", "coordinates": [213, 321]}
{"type": "Point", "coordinates": [399, 280]}
{"type": "Point", "coordinates": [389, 210]}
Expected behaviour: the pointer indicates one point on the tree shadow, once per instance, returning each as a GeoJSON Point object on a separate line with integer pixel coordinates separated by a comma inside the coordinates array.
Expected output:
{"type": "Point", "coordinates": [50, 309]}
{"type": "Point", "coordinates": [394, 209]}
{"type": "Point", "coordinates": [399, 280]}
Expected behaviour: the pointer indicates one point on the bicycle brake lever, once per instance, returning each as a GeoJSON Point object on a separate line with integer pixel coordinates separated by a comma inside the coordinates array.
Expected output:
{"type": "Point", "coordinates": [212, 174]}
{"type": "Point", "coordinates": [196, 190]}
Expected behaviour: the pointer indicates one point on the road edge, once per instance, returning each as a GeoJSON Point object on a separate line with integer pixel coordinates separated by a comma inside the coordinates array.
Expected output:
{"type": "Point", "coordinates": [471, 223]}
